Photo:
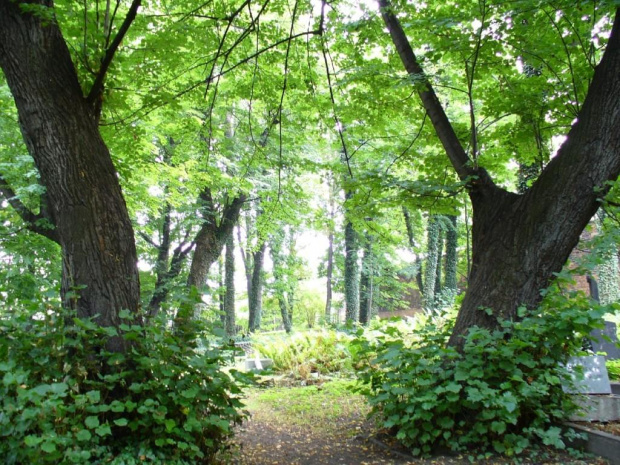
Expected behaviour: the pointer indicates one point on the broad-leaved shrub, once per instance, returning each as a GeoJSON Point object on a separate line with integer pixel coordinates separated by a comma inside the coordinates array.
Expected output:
{"type": "Point", "coordinates": [502, 393]}
{"type": "Point", "coordinates": [64, 399]}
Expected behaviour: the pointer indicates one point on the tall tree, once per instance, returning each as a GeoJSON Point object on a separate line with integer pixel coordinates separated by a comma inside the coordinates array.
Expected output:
{"type": "Point", "coordinates": [520, 241]}
{"type": "Point", "coordinates": [60, 127]}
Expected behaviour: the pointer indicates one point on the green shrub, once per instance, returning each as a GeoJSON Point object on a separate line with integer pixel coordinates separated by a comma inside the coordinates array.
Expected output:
{"type": "Point", "coordinates": [323, 351]}
{"type": "Point", "coordinates": [66, 400]}
{"type": "Point", "coordinates": [613, 368]}
{"type": "Point", "coordinates": [502, 393]}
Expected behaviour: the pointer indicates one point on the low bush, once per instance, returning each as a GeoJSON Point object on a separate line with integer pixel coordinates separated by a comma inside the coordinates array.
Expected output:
{"type": "Point", "coordinates": [66, 400]}
{"type": "Point", "coordinates": [613, 368]}
{"type": "Point", "coordinates": [300, 354]}
{"type": "Point", "coordinates": [502, 393]}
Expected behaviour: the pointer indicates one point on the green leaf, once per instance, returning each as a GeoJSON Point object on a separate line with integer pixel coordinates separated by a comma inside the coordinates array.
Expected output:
{"type": "Point", "coordinates": [83, 435]}
{"type": "Point", "coordinates": [121, 422]}
{"type": "Point", "coordinates": [48, 447]}
{"type": "Point", "coordinates": [103, 430]}
{"type": "Point", "coordinates": [91, 422]}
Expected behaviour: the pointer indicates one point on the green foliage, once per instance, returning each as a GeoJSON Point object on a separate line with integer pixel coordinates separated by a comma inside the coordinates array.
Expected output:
{"type": "Point", "coordinates": [324, 351]}
{"type": "Point", "coordinates": [613, 368]}
{"type": "Point", "coordinates": [502, 393]}
{"type": "Point", "coordinates": [66, 400]}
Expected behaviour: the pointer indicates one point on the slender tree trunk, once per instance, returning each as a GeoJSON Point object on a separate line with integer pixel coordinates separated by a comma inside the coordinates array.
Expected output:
{"type": "Point", "coordinates": [440, 241]}
{"type": "Point", "coordinates": [329, 272]}
{"type": "Point", "coordinates": [351, 273]}
{"type": "Point", "coordinates": [412, 246]}
{"type": "Point", "coordinates": [229, 283]}
{"type": "Point", "coordinates": [366, 283]}
{"type": "Point", "coordinates": [430, 270]}
{"type": "Point", "coordinates": [59, 126]}
{"type": "Point", "coordinates": [329, 277]}
{"type": "Point", "coordinates": [450, 283]}
{"type": "Point", "coordinates": [281, 285]}
{"type": "Point", "coordinates": [255, 298]}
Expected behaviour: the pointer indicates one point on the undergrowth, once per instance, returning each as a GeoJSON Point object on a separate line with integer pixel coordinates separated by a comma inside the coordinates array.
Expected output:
{"type": "Point", "coordinates": [64, 399]}
{"type": "Point", "coordinates": [502, 393]}
{"type": "Point", "coordinates": [322, 351]}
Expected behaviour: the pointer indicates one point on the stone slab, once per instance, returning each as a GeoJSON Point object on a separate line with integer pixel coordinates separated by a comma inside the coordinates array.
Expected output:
{"type": "Point", "coordinates": [597, 408]}
{"type": "Point", "coordinates": [601, 345]}
{"type": "Point", "coordinates": [255, 364]}
{"type": "Point", "coordinates": [595, 377]}
{"type": "Point", "coordinates": [598, 442]}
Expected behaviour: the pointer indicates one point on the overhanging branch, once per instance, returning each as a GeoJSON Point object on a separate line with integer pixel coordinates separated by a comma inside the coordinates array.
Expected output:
{"type": "Point", "coordinates": [97, 88]}
{"type": "Point", "coordinates": [453, 147]}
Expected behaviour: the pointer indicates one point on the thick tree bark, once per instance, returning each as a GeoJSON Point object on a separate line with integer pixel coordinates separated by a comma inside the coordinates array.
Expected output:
{"type": "Point", "coordinates": [59, 126]}
{"type": "Point", "coordinates": [520, 241]}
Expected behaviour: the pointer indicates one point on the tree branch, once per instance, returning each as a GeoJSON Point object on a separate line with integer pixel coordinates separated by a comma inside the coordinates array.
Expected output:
{"type": "Point", "coordinates": [453, 147]}
{"type": "Point", "coordinates": [29, 218]}
{"type": "Point", "coordinates": [97, 88]}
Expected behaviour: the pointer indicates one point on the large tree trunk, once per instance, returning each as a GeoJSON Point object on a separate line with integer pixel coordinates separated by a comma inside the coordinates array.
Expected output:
{"type": "Point", "coordinates": [59, 126]}
{"type": "Point", "coordinates": [520, 241]}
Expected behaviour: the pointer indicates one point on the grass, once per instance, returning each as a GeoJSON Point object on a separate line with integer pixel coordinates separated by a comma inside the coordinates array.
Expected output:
{"type": "Point", "coordinates": [315, 407]}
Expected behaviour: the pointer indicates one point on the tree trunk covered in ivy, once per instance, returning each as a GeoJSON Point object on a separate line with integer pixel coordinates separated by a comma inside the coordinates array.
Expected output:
{"type": "Point", "coordinates": [520, 241]}
{"type": "Point", "coordinates": [351, 273]}
{"type": "Point", "coordinates": [229, 285]}
{"type": "Point", "coordinates": [450, 278]}
{"type": "Point", "coordinates": [430, 270]}
{"type": "Point", "coordinates": [440, 241]}
{"type": "Point", "coordinates": [255, 296]}
{"type": "Point", "coordinates": [60, 128]}
{"type": "Point", "coordinates": [366, 283]}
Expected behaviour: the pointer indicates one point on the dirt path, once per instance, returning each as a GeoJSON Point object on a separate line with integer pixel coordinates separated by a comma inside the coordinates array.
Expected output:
{"type": "Point", "coordinates": [287, 428]}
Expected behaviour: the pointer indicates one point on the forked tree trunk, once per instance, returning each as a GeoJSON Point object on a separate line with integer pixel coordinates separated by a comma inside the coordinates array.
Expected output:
{"type": "Point", "coordinates": [59, 126]}
{"type": "Point", "coordinates": [520, 241]}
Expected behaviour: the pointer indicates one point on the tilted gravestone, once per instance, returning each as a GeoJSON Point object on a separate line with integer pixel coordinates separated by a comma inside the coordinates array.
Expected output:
{"type": "Point", "coordinates": [595, 378]}
{"type": "Point", "coordinates": [600, 344]}
{"type": "Point", "coordinates": [598, 404]}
